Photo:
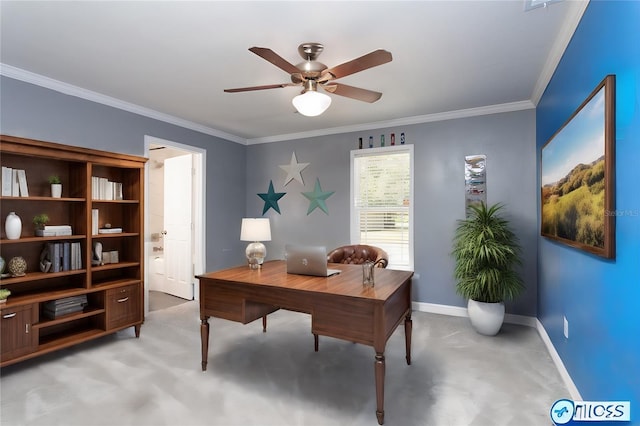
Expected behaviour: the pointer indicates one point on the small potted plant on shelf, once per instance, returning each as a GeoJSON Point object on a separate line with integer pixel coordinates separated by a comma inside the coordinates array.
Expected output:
{"type": "Point", "coordinates": [4, 293]}
{"type": "Point", "coordinates": [56, 186]}
{"type": "Point", "coordinates": [40, 221]}
{"type": "Point", "coordinates": [486, 252]}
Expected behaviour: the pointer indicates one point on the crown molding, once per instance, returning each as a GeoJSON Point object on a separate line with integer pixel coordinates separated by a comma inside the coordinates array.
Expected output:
{"type": "Point", "coordinates": [419, 119]}
{"type": "Point", "coordinates": [567, 30]}
{"type": "Point", "coordinates": [68, 89]}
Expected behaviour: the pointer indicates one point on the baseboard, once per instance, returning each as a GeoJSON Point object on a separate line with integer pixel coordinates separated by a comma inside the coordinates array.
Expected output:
{"type": "Point", "coordinates": [454, 311]}
{"type": "Point", "coordinates": [457, 311]}
{"type": "Point", "coordinates": [566, 377]}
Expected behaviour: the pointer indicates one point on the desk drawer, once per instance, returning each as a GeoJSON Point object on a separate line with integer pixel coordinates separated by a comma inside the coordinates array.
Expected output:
{"type": "Point", "coordinates": [232, 306]}
{"type": "Point", "coordinates": [343, 320]}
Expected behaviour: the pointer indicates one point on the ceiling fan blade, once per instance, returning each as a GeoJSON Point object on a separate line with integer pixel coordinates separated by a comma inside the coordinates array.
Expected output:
{"type": "Point", "coordinates": [269, 86]}
{"type": "Point", "coordinates": [353, 92]}
{"type": "Point", "coordinates": [275, 59]}
{"type": "Point", "coordinates": [370, 60]}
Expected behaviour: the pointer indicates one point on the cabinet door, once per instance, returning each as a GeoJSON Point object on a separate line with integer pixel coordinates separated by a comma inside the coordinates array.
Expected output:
{"type": "Point", "coordinates": [124, 306]}
{"type": "Point", "coordinates": [17, 338]}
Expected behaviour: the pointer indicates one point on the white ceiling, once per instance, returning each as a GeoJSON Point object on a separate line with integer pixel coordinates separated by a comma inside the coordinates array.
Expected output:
{"type": "Point", "coordinates": [172, 60]}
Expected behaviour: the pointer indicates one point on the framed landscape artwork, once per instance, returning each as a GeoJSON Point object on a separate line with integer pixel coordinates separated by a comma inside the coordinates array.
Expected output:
{"type": "Point", "coordinates": [577, 176]}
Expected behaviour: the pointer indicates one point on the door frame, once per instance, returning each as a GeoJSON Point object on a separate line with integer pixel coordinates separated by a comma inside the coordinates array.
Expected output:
{"type": "Point", "coordinates": [199, 207]}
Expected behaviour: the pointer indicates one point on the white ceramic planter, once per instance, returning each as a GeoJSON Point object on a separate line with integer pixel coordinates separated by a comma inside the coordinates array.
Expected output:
{"type": "Point", "coordinates": [486, 318]}
{"type": "Point", "coordinates": [56, 190]}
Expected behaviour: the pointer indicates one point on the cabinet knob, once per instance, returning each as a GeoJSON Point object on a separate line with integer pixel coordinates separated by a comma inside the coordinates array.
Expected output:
{"type": "Point", "coordinates": [7, 316]}
{"type": "Point", "coordinates": [123, 299]}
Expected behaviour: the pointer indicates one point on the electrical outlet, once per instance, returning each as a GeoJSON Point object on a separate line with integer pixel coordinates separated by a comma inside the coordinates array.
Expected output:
{"type": "Point", "coordinates": [566, 327]}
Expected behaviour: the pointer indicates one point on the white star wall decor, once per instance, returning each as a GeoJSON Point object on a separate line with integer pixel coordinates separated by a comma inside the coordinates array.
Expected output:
{"type": "Point", "coordinates": [293, 170]}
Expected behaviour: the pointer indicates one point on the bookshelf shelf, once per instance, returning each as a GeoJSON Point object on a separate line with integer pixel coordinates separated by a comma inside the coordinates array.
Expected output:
{"type": "Point", "coordinates": [72, 200]}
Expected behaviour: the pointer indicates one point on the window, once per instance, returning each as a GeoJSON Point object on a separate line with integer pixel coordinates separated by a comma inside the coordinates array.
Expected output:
{"type": "Point", "coordinates": [382, 201]}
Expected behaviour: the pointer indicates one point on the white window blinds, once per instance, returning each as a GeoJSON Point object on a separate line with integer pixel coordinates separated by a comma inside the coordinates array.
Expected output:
{"type": "Point", "coordinates": [382, 194]}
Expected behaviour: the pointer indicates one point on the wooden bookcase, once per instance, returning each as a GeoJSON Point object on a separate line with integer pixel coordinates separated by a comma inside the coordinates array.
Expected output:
{"type": "Point", "coordinates": [114, 291]}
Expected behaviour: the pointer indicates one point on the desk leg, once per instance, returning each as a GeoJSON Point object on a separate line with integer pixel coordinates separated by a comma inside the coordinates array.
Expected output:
{"type": "Point", "coordinates": [408, 326]}
{"type": "Point", "coordinates": [204, 337]}
{"type": "Point", "coordinates": [264, 324]}
{"type": "Point", "coordinates": [380, 370]}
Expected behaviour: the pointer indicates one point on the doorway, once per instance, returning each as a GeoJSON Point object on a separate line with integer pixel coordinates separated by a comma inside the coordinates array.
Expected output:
{"type": "Point", "coordinates": [174, 222]}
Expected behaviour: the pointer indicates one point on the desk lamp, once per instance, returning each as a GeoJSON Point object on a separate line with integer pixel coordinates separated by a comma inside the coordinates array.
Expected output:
{"type": "Point", "coordinates": [255, 230]}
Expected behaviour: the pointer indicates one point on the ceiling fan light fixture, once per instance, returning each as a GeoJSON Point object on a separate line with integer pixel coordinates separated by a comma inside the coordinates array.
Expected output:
{"type": "Point", "coordinates": [311, 103]}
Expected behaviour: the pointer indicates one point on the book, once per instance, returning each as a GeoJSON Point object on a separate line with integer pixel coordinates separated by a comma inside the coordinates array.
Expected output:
{"type": "Point", "coordinates": [22, 183]}
{"type": "Point", "coordinates": [66, 256]}
{"type": "Point", "coordinates": [57, 227]}
{"type": "Point", "coordinates": [110, 230]}
{"type": "Point", "coordinates": [15, 185]}
{"type": "Point", "coordinates": [94, 221]}
{"type": "Point", "coordinates": [53, 233]}
{"type": "Point", "coordinates": [54, 256]}
{"type": "Point", "coordinates": [76, 256]}
{"type": "Point", "coordinates": [104, 189]}
{"type": "Point", "coordinates": [68, 305]}
{"type": "Point", "coordinates": [7, 182]}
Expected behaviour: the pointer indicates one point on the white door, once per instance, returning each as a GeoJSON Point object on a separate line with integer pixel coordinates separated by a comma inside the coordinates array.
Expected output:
{"type": "Point", "coordinates": [177, 225]}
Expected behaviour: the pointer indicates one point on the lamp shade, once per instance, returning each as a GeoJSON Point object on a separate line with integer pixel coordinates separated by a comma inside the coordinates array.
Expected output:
{"type": "Point", "coordinates": [255, 229]}
{"type": "Point", "coordinates": [311, 103]}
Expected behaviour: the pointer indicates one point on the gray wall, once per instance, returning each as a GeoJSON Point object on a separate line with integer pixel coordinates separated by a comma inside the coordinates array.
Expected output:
{"type": "Point", "coordinates": [508, 140]}
{"type": "Point", "coordinates": [235, 174]}
{"type": "Point", "coordinates": [34, 112]}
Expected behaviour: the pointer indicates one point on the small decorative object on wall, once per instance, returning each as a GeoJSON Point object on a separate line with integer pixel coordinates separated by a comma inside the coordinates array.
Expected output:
{"type": "Point", "coordinates": [293, 170]}
{"type": "Point", "coordinates": [271, 199]}
{"type": "Point", "coordinates": [577, 176]}
{"type": "Point", "coordinates": [17, 266]}
{"type": "Point", "coordinates": [317, 198]}
{"type": "Point", "coordinates": [13, 226]}
{"type": "Point", "coordinates": [475, 184]}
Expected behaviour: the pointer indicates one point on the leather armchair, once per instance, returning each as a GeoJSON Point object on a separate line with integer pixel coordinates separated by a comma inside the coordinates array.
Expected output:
{"type": "Point", "coordinates": [358, 254]}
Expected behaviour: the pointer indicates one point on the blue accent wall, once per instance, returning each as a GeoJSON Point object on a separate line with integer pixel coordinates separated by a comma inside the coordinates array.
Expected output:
{"type": "Point", "coordinates": [600, 298]}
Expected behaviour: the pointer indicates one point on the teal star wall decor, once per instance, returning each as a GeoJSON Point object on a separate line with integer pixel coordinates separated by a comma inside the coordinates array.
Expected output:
{"type": "Point", "coordinates": [317, 198]}
{"type": "Point", "coordinates": [271, 199]}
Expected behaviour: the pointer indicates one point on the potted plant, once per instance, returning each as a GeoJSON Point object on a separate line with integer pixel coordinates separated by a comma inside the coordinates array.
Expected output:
{"type": "Point", "coordinates": [40, 221]}
{"type": "Point", "coordinates": [486, 252]}
{"type": "Point", "coordinates": [4, 293]}
{"type": "Point", "coordinates": [56, 186]}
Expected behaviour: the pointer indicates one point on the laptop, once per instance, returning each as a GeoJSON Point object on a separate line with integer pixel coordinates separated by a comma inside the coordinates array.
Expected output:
{"type": "Point", "coordinates": [308, 260]}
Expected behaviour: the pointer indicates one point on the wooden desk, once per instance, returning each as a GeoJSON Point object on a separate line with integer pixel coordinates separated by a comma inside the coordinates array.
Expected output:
{"type": "Point", "coordinates": [339, 305]}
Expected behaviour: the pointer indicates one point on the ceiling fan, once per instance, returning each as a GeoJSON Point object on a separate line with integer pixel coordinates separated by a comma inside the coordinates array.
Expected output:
{"type": "Point", "coordinates": [312, 74]}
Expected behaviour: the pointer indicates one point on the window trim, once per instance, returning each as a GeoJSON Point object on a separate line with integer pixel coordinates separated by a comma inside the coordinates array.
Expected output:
{"type": "Point", "coordinates": [353, 222]}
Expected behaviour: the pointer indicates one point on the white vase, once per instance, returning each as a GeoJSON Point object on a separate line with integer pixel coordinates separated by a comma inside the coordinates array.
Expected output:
{"type": "Point", "coordinates": [13, 226]}
{"type": "Point", "coordinates": [486, 318]}
{"type": "Point", "coordinates": [56, 190]}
